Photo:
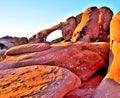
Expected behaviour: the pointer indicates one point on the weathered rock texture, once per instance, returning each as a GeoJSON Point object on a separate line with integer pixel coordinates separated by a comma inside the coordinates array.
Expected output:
{"type": "Point", "coordinates": [88, 25]}
{"type": "Point", "coordinates": [86, 89]}
{"type": "Point", "coordinates": [8, 42]}
{"type": "Point", "coordinates": [27, 48]}
{"type": "Point", "coordinates": [37, 81]}
{"type": "Point", "coordinates": [110, 86]}
{"type": "Point", "coordinates": [83, 59]}
{"type": "Point", "coordinates": [104, 23]}
{"type": "Point", "coordinates": [31, 70]}
{"type": "Point", "coordinates": [66, 27]}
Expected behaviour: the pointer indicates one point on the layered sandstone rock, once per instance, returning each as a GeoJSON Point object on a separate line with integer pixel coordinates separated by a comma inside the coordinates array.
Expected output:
{"type": "Point", "coordinates": [104, 23]}
{"type": "Point", "coordinates": [83, 59]}
{"type": "Point", "coordinates": [88, 25]}
{"type": "Point", "coordinates": [86, 89]}
{"type": "Point", "coordinates": [110, 86]}
{"type": "Point", "coordinates": [78, 18]}
{"type": "Point", "coordinates": [37, 81]}
{"type": "Point", "coordinates": [9, 42]}
{"type": "Point", "coordinates": [27, 48]}
{"type": "Point", "coordinates": [66, 27]}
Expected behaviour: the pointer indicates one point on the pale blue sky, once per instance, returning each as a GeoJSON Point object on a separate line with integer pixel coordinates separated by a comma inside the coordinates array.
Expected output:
{"type": "Point", "coordinates": [27, 17]}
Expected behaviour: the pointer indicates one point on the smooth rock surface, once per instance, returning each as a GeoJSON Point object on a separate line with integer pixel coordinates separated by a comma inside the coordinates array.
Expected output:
{"type": "Point", "coordinates": [27, 48]}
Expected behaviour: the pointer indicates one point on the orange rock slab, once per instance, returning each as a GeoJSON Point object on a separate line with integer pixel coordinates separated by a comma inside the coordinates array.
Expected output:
{"type": "Point", "coordinates": [37, 82]}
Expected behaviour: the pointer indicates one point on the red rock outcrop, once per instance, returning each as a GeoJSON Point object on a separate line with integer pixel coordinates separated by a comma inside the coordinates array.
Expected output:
{"type": "Point", "coordinates": [110, 86]}
{"type": "Point", "coordinates": [9, 42]}
{"type": "Point", "coordinates": [83, 59]}
{"type": "Point", "coordinates": [104, 23]}
{"type": "Point", "coordinates": [27, 48]}
{"type": "Point", "coordinates": [86, 89]}
{"type": "Point", "coordinates": [78, 18]}
{"type": "Point", "coordinates": [68, 28]}
{"type": "Point", "coordinates": [88, 25]}
{"type": "Point", "coordinates": [37, 81]}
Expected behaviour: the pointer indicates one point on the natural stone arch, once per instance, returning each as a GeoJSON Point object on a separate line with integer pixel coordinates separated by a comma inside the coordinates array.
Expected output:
{"type": "Point", "coordinates": [54, 35]}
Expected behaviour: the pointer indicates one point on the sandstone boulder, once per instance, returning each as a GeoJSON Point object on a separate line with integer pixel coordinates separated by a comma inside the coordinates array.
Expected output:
{"type": "Point", "coordinates": [37, 82]}
{"type": "Point", "coordinates": [115, 28]}
{"type": "Point", "coordinates": [86, 89]}
{"type": "Point", "coordinates": [108, 88]}
{"type": "Point", "coordinates": [83, 59]}
{"type": "Point", "coordinates": [88, 25]}
{"type": "Point", "coordinates": [27, 48]}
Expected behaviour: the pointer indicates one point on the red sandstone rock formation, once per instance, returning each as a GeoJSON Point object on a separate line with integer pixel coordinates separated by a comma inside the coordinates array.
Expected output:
{"type": "Point", "coordinates": [37, 82]}
{"type": "Point", "coordinates": [66, 27]}
{"type": "Point", "coordinates": [27, 48]}
{"type": "Point", "coordinates": [78, 18]}
{"type": "Point", "coordinates": [104, 23]}
{"type": "Point", "coordinates": [83, 59]}
{"type": "Point", "coordinates": [88, 25]}
{"type": "Point", "coordinates": [110, 86]}
{"type": "Point", "coordinates": [86, 89]}
{"type": "Point", "coordinates": [9, 42]}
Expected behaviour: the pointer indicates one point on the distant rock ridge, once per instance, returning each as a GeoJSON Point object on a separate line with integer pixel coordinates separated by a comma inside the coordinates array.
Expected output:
{"type": "Point", "coordinates": [93, 22]}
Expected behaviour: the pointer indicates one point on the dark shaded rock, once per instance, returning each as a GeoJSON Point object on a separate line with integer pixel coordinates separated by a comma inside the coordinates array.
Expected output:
{"type": "Point", "coordinates": [80, 93]}
{"type": "Point", "coordinates": [108, 88]}
{"type": "Point", "coordinates": [104, 23]}
{"type": "Point", "coordinates": [68, 28]}
{"type": "Point", "coordinates": [57, 40]}
{"type": "Point", "coordinates": [37, 81]}
{"type": "Point", "coordinates": [9, 42]}
{"type": "Point", "coordinates": [78, 18]}
{"type": "Point", "coordinates": [86, 89]}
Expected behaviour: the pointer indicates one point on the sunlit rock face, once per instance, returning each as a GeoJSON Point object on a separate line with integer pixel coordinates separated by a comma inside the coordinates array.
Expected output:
{"type": "Point", "coordinates": [32, 68]}
{"type": "Point", "coordinates": [115, 28]}
{"type": "Point", "coordinates": [88, 25]}
{"type": "Point", "coordinates": [37, 81]}
{"type": "Point", "coordinates": [110, 86]}
{"type": "Point", "coordinates": [27, 48]}
{"type": "Point", "coordinates": [84, 59]}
